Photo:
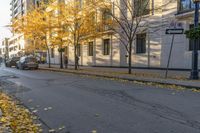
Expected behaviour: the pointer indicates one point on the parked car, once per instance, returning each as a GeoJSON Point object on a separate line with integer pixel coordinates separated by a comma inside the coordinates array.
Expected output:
{"type": "Point", "coordinates": [12, 62]}
{"type": "Point", "coordinates": [27, 63]}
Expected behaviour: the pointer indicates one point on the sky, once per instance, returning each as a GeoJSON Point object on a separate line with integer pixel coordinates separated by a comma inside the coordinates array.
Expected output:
{"type": "Point", "coordinates": [4, 19]}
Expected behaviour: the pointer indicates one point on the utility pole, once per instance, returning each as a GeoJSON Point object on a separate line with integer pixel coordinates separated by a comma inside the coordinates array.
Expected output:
{"type": "Point", "coordinates": [195, 73]}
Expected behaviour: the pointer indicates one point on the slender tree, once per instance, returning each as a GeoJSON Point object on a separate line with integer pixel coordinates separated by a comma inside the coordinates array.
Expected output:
{"type": "Point", "coordinates": [75, 22]}
{"type": "Point", "coordinates": [125, 21]}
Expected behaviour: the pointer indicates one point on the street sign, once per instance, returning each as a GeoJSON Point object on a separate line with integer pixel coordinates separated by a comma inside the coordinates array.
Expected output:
{"type": "Point", "coordinates": [174, 31]}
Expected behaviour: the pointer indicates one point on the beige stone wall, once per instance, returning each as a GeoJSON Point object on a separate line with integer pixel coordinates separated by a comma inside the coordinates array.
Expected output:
{"type": "Point", "coordinates": [158, 43]}
{"type": "Point", "coordinates": [118, 53]}
{"type": "Point", "coordinates": [181, 56]}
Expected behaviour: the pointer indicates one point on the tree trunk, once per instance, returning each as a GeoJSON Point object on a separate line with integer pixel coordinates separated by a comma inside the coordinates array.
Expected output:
{"type": "Point", "coordinates": [34, 52]}
{"type": "Point", "coordinates": [75, 58]}
{"type": "Point", "coordinates": [48, 52]}
{"type": "Point", "coordinates": [61, 60]}
{"type": "Point", "coordinates": [61, 54]}
{"type": "Point", "coordinates": [49, 58]}
{"type": "Point", "coordinates": [130, 59]}
{"type": "Point", "coordinates": [75, 55]}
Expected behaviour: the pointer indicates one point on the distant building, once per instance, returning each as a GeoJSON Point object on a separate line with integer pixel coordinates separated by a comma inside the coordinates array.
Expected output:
{"type": "Point", "coordinates": [17, 42]}
{"type": "Point", "coordinates": [4, 52]}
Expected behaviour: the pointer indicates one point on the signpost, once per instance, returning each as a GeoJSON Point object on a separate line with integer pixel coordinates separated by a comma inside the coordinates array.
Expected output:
{"type": "Point", "coordinates": [175, 29]}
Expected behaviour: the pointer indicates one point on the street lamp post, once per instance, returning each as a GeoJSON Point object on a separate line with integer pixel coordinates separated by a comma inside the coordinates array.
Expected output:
{"type": "Point", "coordinates": [194, 72]}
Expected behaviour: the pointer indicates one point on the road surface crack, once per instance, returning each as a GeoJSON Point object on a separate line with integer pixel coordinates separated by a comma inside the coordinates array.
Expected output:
{"type": "Point", "coordinates": [153, 108]}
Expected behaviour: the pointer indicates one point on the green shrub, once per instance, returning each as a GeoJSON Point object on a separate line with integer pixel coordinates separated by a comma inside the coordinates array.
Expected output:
{"type": "Point", "coordinates": [193, 33]}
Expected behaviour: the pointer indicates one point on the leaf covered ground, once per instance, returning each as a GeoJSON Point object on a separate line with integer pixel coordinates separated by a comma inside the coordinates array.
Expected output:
{"type": "Point", "coordinates": [15, 117]}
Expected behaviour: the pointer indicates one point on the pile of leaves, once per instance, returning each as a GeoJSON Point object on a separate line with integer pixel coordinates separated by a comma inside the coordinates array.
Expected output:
{"type": "Point", "coordinates": [16, 117]}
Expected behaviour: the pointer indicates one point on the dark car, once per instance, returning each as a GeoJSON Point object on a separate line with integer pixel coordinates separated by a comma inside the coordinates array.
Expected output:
{"type": "Point", "coordinates": [27, 63]}
{"type": "Point", "coordinates": [12, 62]}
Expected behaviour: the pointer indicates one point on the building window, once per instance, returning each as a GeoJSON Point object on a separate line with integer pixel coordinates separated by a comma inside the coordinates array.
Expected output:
{"type": "Point", "coordinates": [106, 46]}
{"type": "Point", "coordinates": [106, 17]}
{"type": "Point", "coordinates": [191, 42]}
{"type": "Point", "coordinates": [142, 7]}
{"type": "Point", "coordinates": [90, 49]}
{"type": "Point", "coordinates": [185, 5]}
{"type": "Point", "coordinates": [80, 3]}
{"type": "Point", "coordinates": [66, 51]}
{"type": "Point", "coordinates": [52, 53]}
{"type": "Point", "coordinates": [79, 50]}
{"type": "Point", "coordinates": [141, 43]}
{"type": "Point", "coordinates": [37, 4]}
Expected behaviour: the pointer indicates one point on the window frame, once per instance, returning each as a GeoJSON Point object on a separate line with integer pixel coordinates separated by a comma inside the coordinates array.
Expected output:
{"type": "Point", "coordinates": [106, 16]}
{"type": "Point", "coordinates": [66, 52]}
{"type": "Point", "coordinates": [179, 7]}
{"type": "Point", "coordinates": [106, 46]}
{"type": "Point", "coordinates": [79, 50]}
{"type": "Point", "coordinates": [141, 43]}
{"type": "Point", "coordinates": [52, 53]}
{"type": "Point", "coordinates": [91, 49]}
{"type": "Point", "coordinates": [147, 10]}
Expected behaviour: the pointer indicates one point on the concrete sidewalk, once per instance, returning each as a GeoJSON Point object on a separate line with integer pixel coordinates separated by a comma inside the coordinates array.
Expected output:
{"type": "Point", "coordinates": [179, 78]}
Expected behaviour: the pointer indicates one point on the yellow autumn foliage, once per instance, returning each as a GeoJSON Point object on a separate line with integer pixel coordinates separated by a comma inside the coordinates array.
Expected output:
{"type": "Point", "coordinates": [16, 117]}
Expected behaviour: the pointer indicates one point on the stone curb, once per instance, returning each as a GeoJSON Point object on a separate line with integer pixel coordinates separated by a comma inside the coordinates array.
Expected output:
{"type": "Point", "coordinates": [181, 83]}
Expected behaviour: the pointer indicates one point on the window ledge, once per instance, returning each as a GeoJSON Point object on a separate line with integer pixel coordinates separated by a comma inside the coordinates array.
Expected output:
{"type": "Point", "coordinates": [139, 53]}
{"type": "Point", "coordinates": [183, 14]}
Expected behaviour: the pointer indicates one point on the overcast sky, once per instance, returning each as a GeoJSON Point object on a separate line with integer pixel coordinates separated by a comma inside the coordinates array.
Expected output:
{"type": "Point", "coordinates": [4, 18]}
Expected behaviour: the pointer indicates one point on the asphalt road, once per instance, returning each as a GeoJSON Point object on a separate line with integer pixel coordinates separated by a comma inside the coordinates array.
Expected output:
{"type": "Point", "coordinates": [93, 105]}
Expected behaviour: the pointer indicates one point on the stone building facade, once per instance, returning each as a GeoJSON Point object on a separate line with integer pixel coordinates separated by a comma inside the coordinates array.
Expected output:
{"type": "Point", "coordinates": [108, 50]}
{"type": "Point", "coordinates": [151, 47]}
{"type": "Point", "coordinates": [4, 52]}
